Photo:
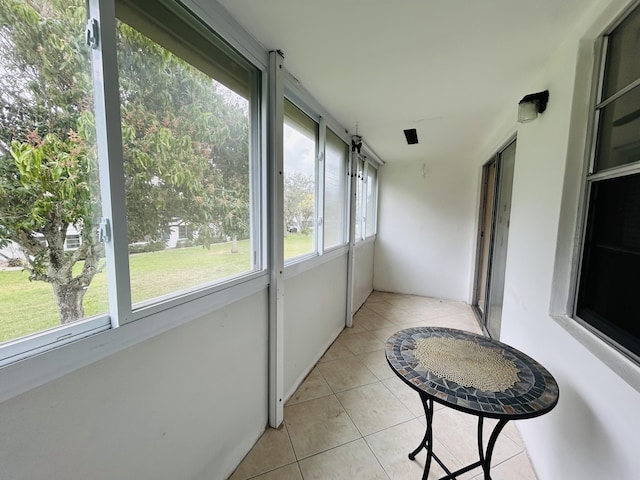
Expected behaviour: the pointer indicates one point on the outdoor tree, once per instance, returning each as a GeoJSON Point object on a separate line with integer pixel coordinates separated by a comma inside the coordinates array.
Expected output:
{"type": "Point", "coordinates": [182, 141]}
{"type": "Point", "coordinates": [233, 159]}
{"type": "Point", "coordinates": [299, 204]}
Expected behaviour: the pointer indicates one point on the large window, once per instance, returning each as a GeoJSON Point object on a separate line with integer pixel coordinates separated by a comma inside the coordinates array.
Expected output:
{"type": "Point", "coordinates": [610, 269]}
{"type": "Point", "coordinates": [188, 128]}
{"type": "Point", "coordinates": [51, 264]}
{"type": "Point", "coordinates": [371, 201]}
{"type": "Point", "coordinates": [366, 199]}
{"type": "Point", "coordinates": [300, 153]}
{"type": "Point", "coordinates": [149, 199]}
{"type": "Point", "coordinates": [360, 196]}
{"type": "Point", "coordinates": [335, 191]}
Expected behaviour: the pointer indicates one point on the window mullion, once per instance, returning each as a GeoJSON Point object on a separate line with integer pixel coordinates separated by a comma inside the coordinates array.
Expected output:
{"type": "Point", "coordinates": [618, 94]}
{"type": "Point", "coordinates": [320, 184]}
{"type": "Point", "coordinates": [257, 172]}
{"type": "Point", "coordinates": [109, 143]}
{"type": "Point", "coordinates": [614, 172]}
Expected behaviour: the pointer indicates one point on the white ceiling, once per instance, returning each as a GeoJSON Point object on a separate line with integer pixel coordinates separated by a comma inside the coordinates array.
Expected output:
{"type": "Point", "coordinates": [449, 68]}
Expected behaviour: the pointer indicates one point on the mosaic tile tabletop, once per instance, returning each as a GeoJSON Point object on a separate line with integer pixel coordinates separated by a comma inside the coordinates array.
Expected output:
{"type": "Point", "coordinates": [534, 393]}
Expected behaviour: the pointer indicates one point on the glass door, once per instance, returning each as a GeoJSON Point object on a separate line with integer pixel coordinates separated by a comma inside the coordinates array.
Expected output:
{"type": "Point", "coordinates": [493, 239]}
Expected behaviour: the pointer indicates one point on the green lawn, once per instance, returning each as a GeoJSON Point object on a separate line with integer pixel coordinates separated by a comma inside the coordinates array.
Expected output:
{"type": "Point", "coordinates": [28, 307]}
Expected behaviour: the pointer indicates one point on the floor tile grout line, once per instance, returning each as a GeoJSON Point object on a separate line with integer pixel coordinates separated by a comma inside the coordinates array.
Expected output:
{"type": "Point", "coordinates": [336, 446]}
{"type": "Point", "coordinates": [342, 445]}
{"type": "Point", "coordinates": [350, 418]}
{"type": "Point", "coordinates": [384, 470]}
{"type": "Point", "coordinates": [270, 470]}
{"type": "Point", "coordinates": [351, 388]}
{"type": "Point", "coordinates": [328, 449]}
{"type": "Point", "coordinates": [284, 425]}
{"type": "Point", "coordinates": [400, 400]}
{"type": "Point", "coordinates": [494, 465]}
{"type": "Point", "coordinates": [389, 316]}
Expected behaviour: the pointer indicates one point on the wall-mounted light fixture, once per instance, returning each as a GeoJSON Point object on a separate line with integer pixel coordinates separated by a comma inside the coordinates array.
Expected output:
{"type": "Point", "coordinates": [531, 105]}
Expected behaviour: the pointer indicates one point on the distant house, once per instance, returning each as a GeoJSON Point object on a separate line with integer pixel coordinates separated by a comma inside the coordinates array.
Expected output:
{"type": "Point", "coordinates": [13, 250]}
{"type": "Point", "coordinates": [178, 231]}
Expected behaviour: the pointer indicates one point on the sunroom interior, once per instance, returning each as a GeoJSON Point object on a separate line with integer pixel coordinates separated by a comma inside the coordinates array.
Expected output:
{"type": "Point", "coordinates": [182, 387]}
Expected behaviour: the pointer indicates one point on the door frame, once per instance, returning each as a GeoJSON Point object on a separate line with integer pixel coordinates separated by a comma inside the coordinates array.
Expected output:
{"type": "Point", "coordinates": [481, 313]}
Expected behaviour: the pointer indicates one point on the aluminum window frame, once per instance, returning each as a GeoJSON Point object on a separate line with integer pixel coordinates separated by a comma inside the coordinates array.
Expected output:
{"type": "Point", "coordinates": [592, 176]}
{"type": "Point", "coordinates": [111, 174]}
{"type": "Point", "coordinates": [373, 190]}
{"type": "Point", "coordinates": [345, 199]}
{"type": "Point", "coordinates": [318, 169]}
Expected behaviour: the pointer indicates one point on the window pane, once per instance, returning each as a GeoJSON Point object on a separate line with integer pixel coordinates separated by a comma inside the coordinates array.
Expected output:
{"type": "Point", "coordinates": [372, 188]}
{"type": "Point", "coordinates": [623, 67]}
{"type": "Point", "coordinates": [610, 278]}
{"type": "Point", "coordinates": [49, 191]}
{"type": "Point", "coordinates": [619, 135]}
{"type": "Point", "coordinates": [359, 227]}
{"type": "Point", "coordinates": [300, 133]}
{"type": "Point", "coordinates": [186, 158]}
{"type": "Point", "coordinates": [335, 190]}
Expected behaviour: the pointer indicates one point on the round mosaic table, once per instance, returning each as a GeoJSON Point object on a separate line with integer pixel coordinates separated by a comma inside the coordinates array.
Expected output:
{"type": "Point", "coordinates": [446, 366]}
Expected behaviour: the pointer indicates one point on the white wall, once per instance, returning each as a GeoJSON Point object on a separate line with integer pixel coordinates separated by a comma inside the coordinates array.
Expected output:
{"type": "Point", "coordinates": [425, 246]}
{"type": "Point", "coordinates": [426, 227]}
{"type": "Point", "coordinates": [363, 272]}
{"type": "Point", "coordinates": [314, 315]}
{"type": "Point", "coordinates": [185, 403]}
{"type": "Point", "coordinates": [592, 433]}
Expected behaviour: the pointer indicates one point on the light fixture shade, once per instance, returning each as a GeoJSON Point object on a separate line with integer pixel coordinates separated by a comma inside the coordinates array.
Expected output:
{"type": "Point", "coordinates": [531, 105]}
{"type": "Point", "coordinates": [527, 111]}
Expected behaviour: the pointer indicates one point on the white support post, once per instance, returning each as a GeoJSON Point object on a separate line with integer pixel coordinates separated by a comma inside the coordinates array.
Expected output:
{"type": "Point", "coordinates": [353, 178]}
{"type": "Point", "coordinates": [276, 237]}
{"type": "Point", "coordinates": [102, 40]}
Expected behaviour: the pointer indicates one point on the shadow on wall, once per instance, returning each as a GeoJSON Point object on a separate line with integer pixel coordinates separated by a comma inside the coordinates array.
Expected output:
{"type": "Point", "coordinates": [587, 431]}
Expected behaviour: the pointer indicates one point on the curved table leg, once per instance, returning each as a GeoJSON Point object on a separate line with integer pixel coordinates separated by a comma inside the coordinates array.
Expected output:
{"type": "Point", "coordinates": [427, 440]}
{"type": "Point", "coordinates": [485, 457]}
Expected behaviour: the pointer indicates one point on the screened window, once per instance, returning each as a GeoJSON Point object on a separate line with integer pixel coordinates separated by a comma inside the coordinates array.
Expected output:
{"type": "Point", "coordinates": [371, 201]}
{"type": "Point", "coordinates": [189, 106]}
{"type": "Point", "coordinates": [300, 153]}
{"type": "Point", "coordinates": [48, 181]}
{"type": "Point", "coordinates": [186, 110]}
{"type": "Point", "coordinates": [366, 199]}
{"type": "Point", "coordinates": [610, 268]}
{"type": "Point", "coordinates": [360, 207]}
{"type": "Point", "coordinates": [335, 191]}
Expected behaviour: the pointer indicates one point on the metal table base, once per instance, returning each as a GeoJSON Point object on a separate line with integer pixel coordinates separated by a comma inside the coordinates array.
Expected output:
{"type": "Point", "coordinates": [484, 455]}
{"type": "Point", "coordinates": [534, 392]}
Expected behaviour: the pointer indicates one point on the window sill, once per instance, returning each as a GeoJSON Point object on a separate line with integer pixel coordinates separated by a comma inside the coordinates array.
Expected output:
{"type": "Point", "coordinates": [305, 264]}
{"type": "Point", "coordinates": [619, 363]}
{"type": "Point", "coordinates": [369, 239]}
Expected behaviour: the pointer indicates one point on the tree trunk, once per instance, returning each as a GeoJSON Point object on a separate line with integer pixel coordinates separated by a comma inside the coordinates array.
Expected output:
{"type": "Point", "coordinates": [69, 300]}
{"type": "Point", "coordinates": [234, 244]}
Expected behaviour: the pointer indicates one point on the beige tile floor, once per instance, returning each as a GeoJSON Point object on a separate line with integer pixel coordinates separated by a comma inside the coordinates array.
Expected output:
{"type": "Point", "coordinates": [352, 418]}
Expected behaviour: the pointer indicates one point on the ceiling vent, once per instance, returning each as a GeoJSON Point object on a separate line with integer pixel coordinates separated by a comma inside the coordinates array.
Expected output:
{"type": "Point", "coordinates": [411, 135]}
